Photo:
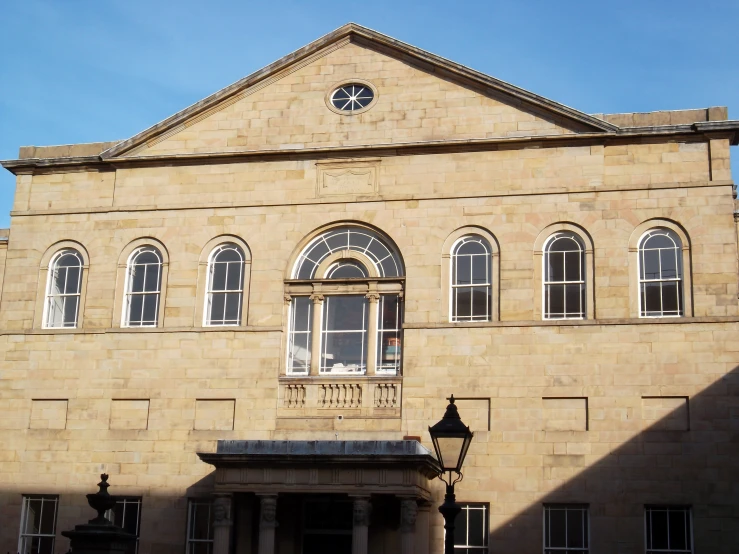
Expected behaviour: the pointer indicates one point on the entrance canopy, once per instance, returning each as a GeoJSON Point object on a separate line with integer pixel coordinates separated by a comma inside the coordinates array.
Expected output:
{"type": "Point", "coordinates": [401, 468]}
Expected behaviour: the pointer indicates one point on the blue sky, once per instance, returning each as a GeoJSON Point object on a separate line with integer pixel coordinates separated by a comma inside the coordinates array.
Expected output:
{"type": "Point", "coordinates": [86, 71]}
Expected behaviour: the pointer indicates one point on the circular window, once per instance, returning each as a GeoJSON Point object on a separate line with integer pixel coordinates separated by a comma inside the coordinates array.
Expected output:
{"type": "Point", "coordinates": [351, 98]}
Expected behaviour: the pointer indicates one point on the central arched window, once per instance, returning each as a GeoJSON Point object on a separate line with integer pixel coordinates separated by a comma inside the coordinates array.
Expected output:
{"type": "Point", "coordinates": [660, 274]}
{"type": "Point", "coordinates": [143, 288]}
{"type": "Point", "coordinates": [225, 286]}
{"type": "Point", "coordinates": [471, 294]}
{"type": "Point", "coordinates": [63, 289]}
{"type": "Point", "coordinates": [345, 305]}
{"type": "Point", "coordinates": [564, 277]}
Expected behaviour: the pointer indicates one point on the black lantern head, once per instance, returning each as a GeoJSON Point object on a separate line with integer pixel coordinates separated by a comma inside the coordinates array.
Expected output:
{"type": "Point", "coordinates": [451, 439]}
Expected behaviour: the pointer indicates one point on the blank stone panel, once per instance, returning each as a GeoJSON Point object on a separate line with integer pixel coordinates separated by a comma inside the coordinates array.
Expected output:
{"type": "Point", "coordinates": [214, 415]}
{"type": "Point", "coordinates": [48, 414]}
{"type": "Point", "coordinates": [665, 413]}
{"type": "Point", "coordinates": [475, 412]}
{"type": "Point", "coordinates": [129, 414]}
{"type": "Point", "coordinates": [565, 414]}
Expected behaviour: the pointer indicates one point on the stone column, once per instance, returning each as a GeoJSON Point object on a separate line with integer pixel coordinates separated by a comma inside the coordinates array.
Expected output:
{"type": "Point", "coordinates": [362, 510]}
{"type": "Point", "coordinates": [315, 345]}
{"type": "Point", "coordinates": [267, 523]}
{"type": "Point", "coordinates": [374, 302]}
{"type": "Point", "coordinates": [222, 524]}
{"type": "Point", "coordinates": [423, 522]}
{"type": "Point", "coordinates": [408, 515]}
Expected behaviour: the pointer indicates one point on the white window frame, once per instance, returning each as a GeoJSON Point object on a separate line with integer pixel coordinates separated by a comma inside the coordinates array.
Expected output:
{"type": "Point", "coordinates": [22, 535]}
{"type": "Point", "coordinates": [207, 320]}
{"type": "Point", "coordinates": [466, 507]}
{"type": "Point", "coordinates": [680, 266]}
{"type": "Point", "coordinates": [453, 287]}
{"type": "Point", "coordinates": [126, 501]}
{"type": "Point", "coordinates": [386, 370]}
{"type": "Point", "coordinates": [126, 317]}
{"type": "Point", "coordinates": [49, 296]}
{"type": "Point", "coordinates": [583, 508]}
{"type": "Point", "coordinates": [191, 503]}
{"type": "Point", "coordinates": [689, 526]}
{"type": "Point", "coordinates": [582, 282]}
{"type": "Point", "coordinates": [292, 334]}
{"type": "Point", "coordinates": [323, 368]}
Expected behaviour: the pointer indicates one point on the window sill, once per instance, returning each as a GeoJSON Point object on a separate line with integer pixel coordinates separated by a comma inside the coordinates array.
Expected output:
{"type": "Point", "coordinates": [672, 320]}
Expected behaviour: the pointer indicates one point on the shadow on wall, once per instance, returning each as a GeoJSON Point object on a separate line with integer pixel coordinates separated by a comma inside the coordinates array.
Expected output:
{"type": "Point", "coordinates": [688, 457]}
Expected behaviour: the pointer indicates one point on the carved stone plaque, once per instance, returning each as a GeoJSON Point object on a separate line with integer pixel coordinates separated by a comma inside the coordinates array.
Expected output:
{"type": "Point", "coordinates": [347, 177]}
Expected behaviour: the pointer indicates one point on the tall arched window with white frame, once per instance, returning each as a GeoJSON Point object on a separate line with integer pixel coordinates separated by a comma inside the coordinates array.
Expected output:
{"type": "Point", "coordinates": [143, 288]}
{"type": "Point", "coordinates": [346, 307]}
{"type": "Point", "coordinates": [63, 289]}
{"type": "Point", "coordinates": [564, 277]}
{"type": "Point", "coordinates": [472, 280]}
{"type": "Point", "coordinates": [224, 297]}
{"type": "Point", "coordinates": [661, 274]}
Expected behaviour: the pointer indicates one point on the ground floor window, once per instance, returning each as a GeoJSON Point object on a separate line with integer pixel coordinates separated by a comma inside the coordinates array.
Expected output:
{"type": "Point", "coordinates": [566, 529]}
{"type": "Point", "coordinates": [126, 514]}
{"type": "Point", "coordinates": [327, 526]}
{"type": "Point", "coordinates": [38, 524]}
{"type": "Point", "coordinates": [200, 527]}
{"type": "Point", "coordinates": [471, 529]}
{"type": "Point", "coordinates": [668, 529]}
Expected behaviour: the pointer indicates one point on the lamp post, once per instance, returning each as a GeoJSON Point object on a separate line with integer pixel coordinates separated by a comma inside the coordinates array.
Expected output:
{"type": "Point", "coordinates": [451, 440]}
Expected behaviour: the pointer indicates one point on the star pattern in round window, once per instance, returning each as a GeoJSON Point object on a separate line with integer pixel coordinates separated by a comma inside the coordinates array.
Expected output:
{"type": "Point", "coordinates": [352, 97]}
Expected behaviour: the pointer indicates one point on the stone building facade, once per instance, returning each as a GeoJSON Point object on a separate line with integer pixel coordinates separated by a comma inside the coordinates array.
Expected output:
{"type": "Point", "coordinates": [250, 313]}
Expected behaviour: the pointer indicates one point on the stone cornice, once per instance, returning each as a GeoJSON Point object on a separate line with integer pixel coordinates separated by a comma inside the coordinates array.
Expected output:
{"type": "Point", "coordinates": [693, 132]}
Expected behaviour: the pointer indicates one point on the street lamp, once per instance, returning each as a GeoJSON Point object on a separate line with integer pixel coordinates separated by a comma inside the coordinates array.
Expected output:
{"type": "Point", "coordinates": [451, 440]}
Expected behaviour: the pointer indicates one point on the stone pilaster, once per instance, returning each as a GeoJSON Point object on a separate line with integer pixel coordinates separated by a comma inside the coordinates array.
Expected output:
{"type": "Point", "coordinates": [362, 511]}
{"type": "Point", "coordinates": [408, 516]}
{"type": "Point", "coordinates": [222, 524]}
{"type": "Point", "coordinates": [267, 523]}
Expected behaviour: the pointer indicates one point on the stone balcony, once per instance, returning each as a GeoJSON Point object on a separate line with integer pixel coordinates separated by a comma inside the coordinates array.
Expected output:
{"type": "Point", "coordinates": [332, 396]}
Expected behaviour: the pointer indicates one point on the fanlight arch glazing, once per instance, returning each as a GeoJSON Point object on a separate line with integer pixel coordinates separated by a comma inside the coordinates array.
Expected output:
{"type": "Point", "coordinates": [385, 259]}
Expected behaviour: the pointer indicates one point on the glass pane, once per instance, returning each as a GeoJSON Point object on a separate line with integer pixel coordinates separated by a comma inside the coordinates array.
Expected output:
{"type": "Point", "coordinates": [389, 267]}
{"type": "Point", "coordinates": [572, 266]}
{"type": "Point", "coordinates": [557, 528]}
{"type": "Point", "coordinates": [650, 264]}
{"type": "Point", "coordinates": [556, 300]}
{"type": "Point", "coordinates": [449, 449]}
{"type": "Point", "coordinates": [33, 516]}
{"type": "Point", "coordinates": [670, 302]}
{"type": "Point", "coordinates": [377, 250]}
{"type": "Point", "coordinates": [470, 247]}
{"type": "Point", "coordinates": [200, 521]}
{"type": "Point", "coordinates": [476, 535]}
{"type": "Point", "coordinates": [575, 529]}
{"type": "Point", "coordinates": [677, 526]}
{"type": "Point", "coordinates": [659, 529]}
{"type": "Point", "coordinates": [659, 241]}
{"type": "Point", "coordinates": [652, 298]}
{"type": "Point", "coordinates": [573, 297]}
{"type": "Point", "coordinates": [68, 259]}
{"type": "Point", "coordinates": [234, 276]}
{"type": "Point", "coordinates": [216, 307]}
{"type": "Point", "coordinates": [555, 267]}
{"type": "Point", "coordinates": [347, 270]}
{"type": "Point", "coordinates": [152, 277]}
{"type": "Point", "coordinates": [150, 309]}
{"type": "Point", "coordinates": [70, 311]}
{"type": "Point", "coordinates": [43, 545]}
{"type": "Point", "coordinates": [668, 258]}
{"type": "Point", "coordinates": [389, 311]}
{"type": "Point", "coordinates": [73, 280]}
{"type": "Point", "coordinates": [463, 266]}
{"type": "Point", "coordinates": [233, 307]}
{"type": "Point", "coordinates": [229, 254]}
{"type": "Point", "coordinates": [344, 351]}
{"type": "Point", "coordinates": [480, 271]}
{"type": "Point", "coordinates": [218, 276]}
{"type": "Point", "coordinates": [136, 278]}
{"type": "Point", "coordinates": [480, 303]}
{"type": "Point", "coordinates": [59, 282]}
{"type": "Point", "coordinates": [301, 313]}
{"type": "Point", "coordinates": [462, 308]}
{"type": "Point", "coordinates": [345, 313]}
{"type": "Point", "coordinates": [338, 241]}
{"type": "Point", "coordinates": [137, 304]}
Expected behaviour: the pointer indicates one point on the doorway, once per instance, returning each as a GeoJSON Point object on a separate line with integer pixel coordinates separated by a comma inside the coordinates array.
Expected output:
{"type": "Point", "coordinates": [327, 525]}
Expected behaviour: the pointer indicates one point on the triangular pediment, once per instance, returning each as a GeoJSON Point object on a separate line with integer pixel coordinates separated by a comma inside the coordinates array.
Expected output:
{"type": "Point", "coordinates": [420, 97]}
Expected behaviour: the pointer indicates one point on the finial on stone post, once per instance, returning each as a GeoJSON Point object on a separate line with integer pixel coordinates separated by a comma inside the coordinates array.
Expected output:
{"type": "Point", "coordinates": [101, 501]}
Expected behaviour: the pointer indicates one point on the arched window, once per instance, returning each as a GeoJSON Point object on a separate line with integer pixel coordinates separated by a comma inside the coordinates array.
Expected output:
{"type": "Point", "coordinates": [564, 277]}
{"type": "Point", "coordinates": [143, 288]}
{"type": "Point", "coordinates": [660, 274]}
{"type": "Point", "coordinates": [471, 291]}
{"type": "Point", "coordinates": [225, 287]}
{"type": "Point", "coordinates": [63, 289]}
{"type": "Point", "coordinates": [353, 325]}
